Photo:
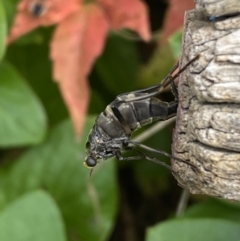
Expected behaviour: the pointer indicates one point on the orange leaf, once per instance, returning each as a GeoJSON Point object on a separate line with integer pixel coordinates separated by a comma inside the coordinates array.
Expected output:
{"type": "Point", "coordinates": [132, 14]}
{"type": "Point", "coordinates": [33, 13]}
{"type": "Point", "coordinates": [175, 17]}
{"type": "Point", "coordinates": [76, 44]}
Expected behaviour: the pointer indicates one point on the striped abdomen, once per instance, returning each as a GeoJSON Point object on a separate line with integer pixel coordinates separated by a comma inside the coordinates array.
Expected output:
{"type": "Point", "coordinates": [135, 114]}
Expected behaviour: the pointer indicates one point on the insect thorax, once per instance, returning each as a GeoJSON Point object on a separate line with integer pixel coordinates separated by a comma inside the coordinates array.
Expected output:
{"type": "Point", "coordinates": [102, 146]}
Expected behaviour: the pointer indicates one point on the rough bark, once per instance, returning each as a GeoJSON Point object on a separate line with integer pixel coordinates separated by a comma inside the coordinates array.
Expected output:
{"type": "Point", "coordinates": [207, 130]}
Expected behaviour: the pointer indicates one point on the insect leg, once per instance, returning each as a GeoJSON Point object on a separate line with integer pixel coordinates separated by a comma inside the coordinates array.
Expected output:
{"type": "Point", "coordinates": [140, 157]}
{"type": "Point", "coordinates": [120, 157]}
{"type": "Point", "coordinates": [174, 90]}
{"type": "Point", "coordinates": [184, 67]}
{"type": "Point", "coordinates": [157, 89]}
{"type": "Point", "coordinates": [160, 152]}
{"type": "Point", "coordinates": [171, 78]}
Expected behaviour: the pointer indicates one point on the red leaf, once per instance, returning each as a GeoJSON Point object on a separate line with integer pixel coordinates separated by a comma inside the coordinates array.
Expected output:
{"type": "Point", "coordinates": [79, 39]}
{"type": "Point", "coordinates": [175, 17]}
{"type": "Point", "coordinates": [53, 11]}
{"type": "Point", "coordinates": [132, 14]}
{"type": "Point", "coordinates": [77, 42]}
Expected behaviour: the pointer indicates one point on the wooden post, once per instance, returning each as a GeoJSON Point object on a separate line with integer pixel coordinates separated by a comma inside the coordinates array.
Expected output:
{"type": "Point", "coordinates": [207, 130]}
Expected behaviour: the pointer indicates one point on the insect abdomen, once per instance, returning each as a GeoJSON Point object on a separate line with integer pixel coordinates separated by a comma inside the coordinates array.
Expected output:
{"type": "Point", "coordinates": [135, 114]}
{"type": "Point", "coordinates": [143, 112]}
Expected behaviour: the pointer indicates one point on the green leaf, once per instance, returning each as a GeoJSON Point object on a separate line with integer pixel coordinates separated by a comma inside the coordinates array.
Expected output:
{"type": "Point", "coordinates": [175, 42]}
{"type": "Point", "coordinates": [22, 118]}
{"type": "Point", "coordinates": [38, 74]}
{"type": "Point", "coordinates": [214, 208]}
{"type": "Point", "coordinates": [195, 229]}
{"type": "Point", "coordinates": [118, 66]}
{"type": "Point", "coordinates": [157, 67]}
{"type": "Point", "coordinates": [34, 216]}
{"type": "Point", "coordinates": [3, 30]}
{"type": "Point", "coordinates": [88, 204]}
{"type": "Point", "coordinates": [10, 7]}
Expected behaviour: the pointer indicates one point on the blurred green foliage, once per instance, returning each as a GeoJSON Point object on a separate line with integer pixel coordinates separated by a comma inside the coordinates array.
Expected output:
{"type": "Point", "coordinates": [195, 229]}
{"type": "Point", "coordinates": [3, 30]}
{"type": "Point", "coordinates": [175, 42]}
{"type": "Point", "coordinates": [17, 101]}
{"type": "Point", "coordinates": [45, 191]}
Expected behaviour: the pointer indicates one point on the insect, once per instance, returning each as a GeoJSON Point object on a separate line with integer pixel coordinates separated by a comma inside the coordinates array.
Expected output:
{"type": "Point", "coordinates": [37, 8]}
{"type": "Point", "coordinates": [113, 128]}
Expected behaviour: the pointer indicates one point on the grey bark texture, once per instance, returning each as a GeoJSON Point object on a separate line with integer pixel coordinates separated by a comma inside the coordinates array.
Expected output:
{"type": "Point", "coordinates": [207, 130]}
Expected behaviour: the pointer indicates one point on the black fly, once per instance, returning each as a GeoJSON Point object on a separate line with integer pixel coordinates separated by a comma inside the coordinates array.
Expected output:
{"type": "Point", "coordinates": [112, 131]}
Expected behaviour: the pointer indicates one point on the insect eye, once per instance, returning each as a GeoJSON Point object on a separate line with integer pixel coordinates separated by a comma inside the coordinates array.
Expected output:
{"type": "Point", "coordinates": [90, 162]}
